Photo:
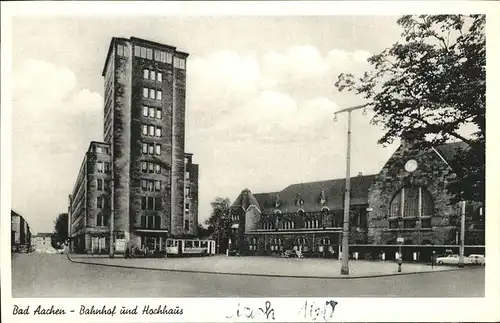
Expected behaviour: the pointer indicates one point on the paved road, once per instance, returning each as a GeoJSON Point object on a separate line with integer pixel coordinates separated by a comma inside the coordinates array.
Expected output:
{"type": "Point", "coordinates": [48, 275]}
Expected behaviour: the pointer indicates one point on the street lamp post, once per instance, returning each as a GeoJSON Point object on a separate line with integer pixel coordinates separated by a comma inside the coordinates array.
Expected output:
{"type": "Point", "coordinates": [462, 235]}
{"type": "Point", "coordinates": [347, 198]}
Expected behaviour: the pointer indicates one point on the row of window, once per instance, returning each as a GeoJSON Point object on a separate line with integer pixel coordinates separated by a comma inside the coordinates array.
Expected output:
{"type": "Point", "coordinates": [150, 203]}
{"type": "Point", "coordinates": [153, 94]}
{"type": "Point", "coordinates": [149, 167]}
{"type": "Point", "coordinates": [301, 241]}
{"type": "Point", "coordinates": [425, 223]}
{"type": "Point", "coordinates": [309, 224]}
{"type": "Point", "coordinates": [122, 50]}
{"type": "Point", "coordinates": [103, 167]}
{"type": "Point", "coordinates": [152, 75]}
{"type": "Point", "coordinates": [150, 130]}
{"type": "Point", "coordinates": [151, 149]}
{"type": "Point", "coordinates": [148, 53]}
{"type": "Point", "coordinates": [151, 221]}
{"type": "Point", "coordinates": [100, 150]}
{"type": "Point", "coordinates": [151, 112]}
{"type": "Point", "coordinates": [150, 185]}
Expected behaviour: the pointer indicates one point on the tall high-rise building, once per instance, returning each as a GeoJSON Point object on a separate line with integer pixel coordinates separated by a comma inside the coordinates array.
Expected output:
{"type": "Point", "coordinates": [153, 185]}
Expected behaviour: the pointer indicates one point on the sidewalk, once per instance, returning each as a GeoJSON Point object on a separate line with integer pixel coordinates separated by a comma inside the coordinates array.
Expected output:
{"type": "Point", "coordinates": [265, 266]}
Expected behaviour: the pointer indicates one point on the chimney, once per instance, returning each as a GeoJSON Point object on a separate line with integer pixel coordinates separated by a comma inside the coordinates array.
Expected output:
{"type": "Point", "coordinates": [360, 174]}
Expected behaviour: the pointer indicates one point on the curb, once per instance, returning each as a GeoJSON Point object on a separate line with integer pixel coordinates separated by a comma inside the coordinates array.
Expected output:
{"type": "Point", "coordinates": [265, 275]}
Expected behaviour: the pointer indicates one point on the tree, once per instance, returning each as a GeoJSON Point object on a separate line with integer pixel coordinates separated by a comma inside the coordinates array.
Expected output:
{"type": "Point", "coordinates": [203, 232]}
{"type": "Point", "coordinates": [429, 85]}
{"type": "Point", "coordinates": [219, 221]}
{"type": "Point", "coordinates": [60, 230]}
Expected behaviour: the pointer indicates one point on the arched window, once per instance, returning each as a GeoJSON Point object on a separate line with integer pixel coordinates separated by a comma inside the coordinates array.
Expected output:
{"type": "Point", "coordinates": [412, 201]}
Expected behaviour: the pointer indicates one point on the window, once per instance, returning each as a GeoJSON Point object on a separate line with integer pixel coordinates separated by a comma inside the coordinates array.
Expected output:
{"type": "Point", "coordinates": [100, 202]}
{"type": "Point", "coordinates": [157, 56]}
{"type": "Point", "coordinates": [106, 168]}
{"type": "Point", "coordinates": [98, 150]}
{"type": "Point", "coordinates": [179, 63]}
{"type": "Point", "coordinates": [158, 132]}
{"type": "Point", "coordinates": [163, 57]}
{"type": "Point", "coordinates": [150, 186]}
{"type": "Point", "coordinates": [145, 111]}
{"type": "Point", "coordinates": [144, 203]}
{"type": "Point", "coordinates": [158, 113]}
{"type": "Point", "coordinates": [158, 95]}
{"type": "Point", "coordinates": [169, 58]}
{"type": "Point", "coordinates": [151, 112]}
{"type": "Point", "coordinates": [151, 93]}
{"type": "Point", "coordinates": [143, 52]}
{"type": "Point", "coordinates": [144, 130]}
{"type": "Point", "coordinates": [159, 77]}
{"type": "Point", "coordinates": [145, 92]}
{"type": "Point", "coordinates": [157, 203]}
{"type": "Point", "coordinates": [102, 220]}
{"type": "Point", "coordinates": [149, 53]}
{"type": "Point", "coordinates": [150, 167]}
{"type": "Point", "coordinates": [152, 75]}
{"type": "Point", "coordinates": [99, 184]}
{"type": "Point", "coordinates": [186, 225]}
{"type": "Point", "coordinates": [144, 185]}
{"type": "Point", "coordinates": [426, 223]}
{"type": "Point", "coordinates": [411, 202]}
{"type": "Point", "coordinates": [393, 224]}
{"type": "Point", "coordinates": [186, 206]}
{"type": "Point", "coordinates": [119, 49]}
{"type": "Point", "coordinates": [99, 167]}
{"type": "Point", "coordinates": [144, 148]}
{"type": "Point", "coordinates": [157, 185]}
{"type": "Point", "coordinates": [145, 74]}
{"type": "Point", "coordinates": [150, 203]}
{"type": "Point", "coordinates": [158, 149]}
{"type": "Point", "coordinates": [157, 169]}
{"type": "Point", "coordinates": [151, 148]}
{"type": "Point", "coordinates": [144, 167]}
{"type": "Point", "coordinates": [137, 51]}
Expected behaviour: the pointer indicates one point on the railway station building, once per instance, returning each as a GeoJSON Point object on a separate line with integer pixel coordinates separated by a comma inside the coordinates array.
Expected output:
{"type": "Point", "coordinates": [139, 175]}
{"type": "Point", "coordinates": [406, 201]}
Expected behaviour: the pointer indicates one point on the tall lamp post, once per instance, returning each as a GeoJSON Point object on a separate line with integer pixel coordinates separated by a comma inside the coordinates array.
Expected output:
{"type": "Point", "coordinates": [347, 198]}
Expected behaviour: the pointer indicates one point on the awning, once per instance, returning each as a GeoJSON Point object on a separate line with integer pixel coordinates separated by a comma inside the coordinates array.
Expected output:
{"type": "Point", "coordinates": [235, 226]}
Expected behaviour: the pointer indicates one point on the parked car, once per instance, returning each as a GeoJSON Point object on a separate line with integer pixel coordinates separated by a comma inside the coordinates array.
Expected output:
{"type": "Point", "coordinates": [451, 259]}
{"type": "Point", "coordinates": [477, 259]}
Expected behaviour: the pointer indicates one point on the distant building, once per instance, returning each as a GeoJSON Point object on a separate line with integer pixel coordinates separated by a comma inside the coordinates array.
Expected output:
{"type": "Point", "coordinates": [42, 242]}
{"type": "Point", "coordinates": [20, 233]}
{"type": "Point", "coordinates": [140, 174]}
{"type": "Point", "coordinates": [407, 199]}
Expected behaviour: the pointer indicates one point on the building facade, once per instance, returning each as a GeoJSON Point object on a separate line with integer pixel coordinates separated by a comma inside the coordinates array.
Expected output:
{"type": "Point", "coordinates": [406, 201]}
{"type": "Point", "coordinates": [20, 233]}
{"type": "Point", "coordinates": [152, 186]}
{"type": "Point", "coordinates": [42, 242]}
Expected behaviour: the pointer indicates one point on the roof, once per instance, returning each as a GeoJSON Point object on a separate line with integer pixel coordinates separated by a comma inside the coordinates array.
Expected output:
{"type": "Point", "coordinates": [139, 40]}
{"type": "Point", "coordinates": [312, 194]}
{"type": "Point", "coordinates": [448, 151]}
{"type": "Point", "coordinates": [245, 200]}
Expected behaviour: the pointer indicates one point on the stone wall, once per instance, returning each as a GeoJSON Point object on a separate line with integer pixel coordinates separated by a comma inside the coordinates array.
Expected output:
{"type": "Point", "coordinates": [432, 174]}
{"type": "Point", "coordinates": [179, 106]}
{"type": "Point", "coordinates": [120, 145]}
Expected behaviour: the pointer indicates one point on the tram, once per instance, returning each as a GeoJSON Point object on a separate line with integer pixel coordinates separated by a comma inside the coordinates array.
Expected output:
{"type": "Point", "coordinates": [187, 247]}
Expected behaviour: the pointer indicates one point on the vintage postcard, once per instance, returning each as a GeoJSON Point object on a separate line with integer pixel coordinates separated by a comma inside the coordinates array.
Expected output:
{"type": "Point", "coordinates": [224, 161]}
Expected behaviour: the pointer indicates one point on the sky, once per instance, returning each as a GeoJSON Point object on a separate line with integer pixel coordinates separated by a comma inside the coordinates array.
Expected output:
{"type": "Point", "coordinates": [260, 101]}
